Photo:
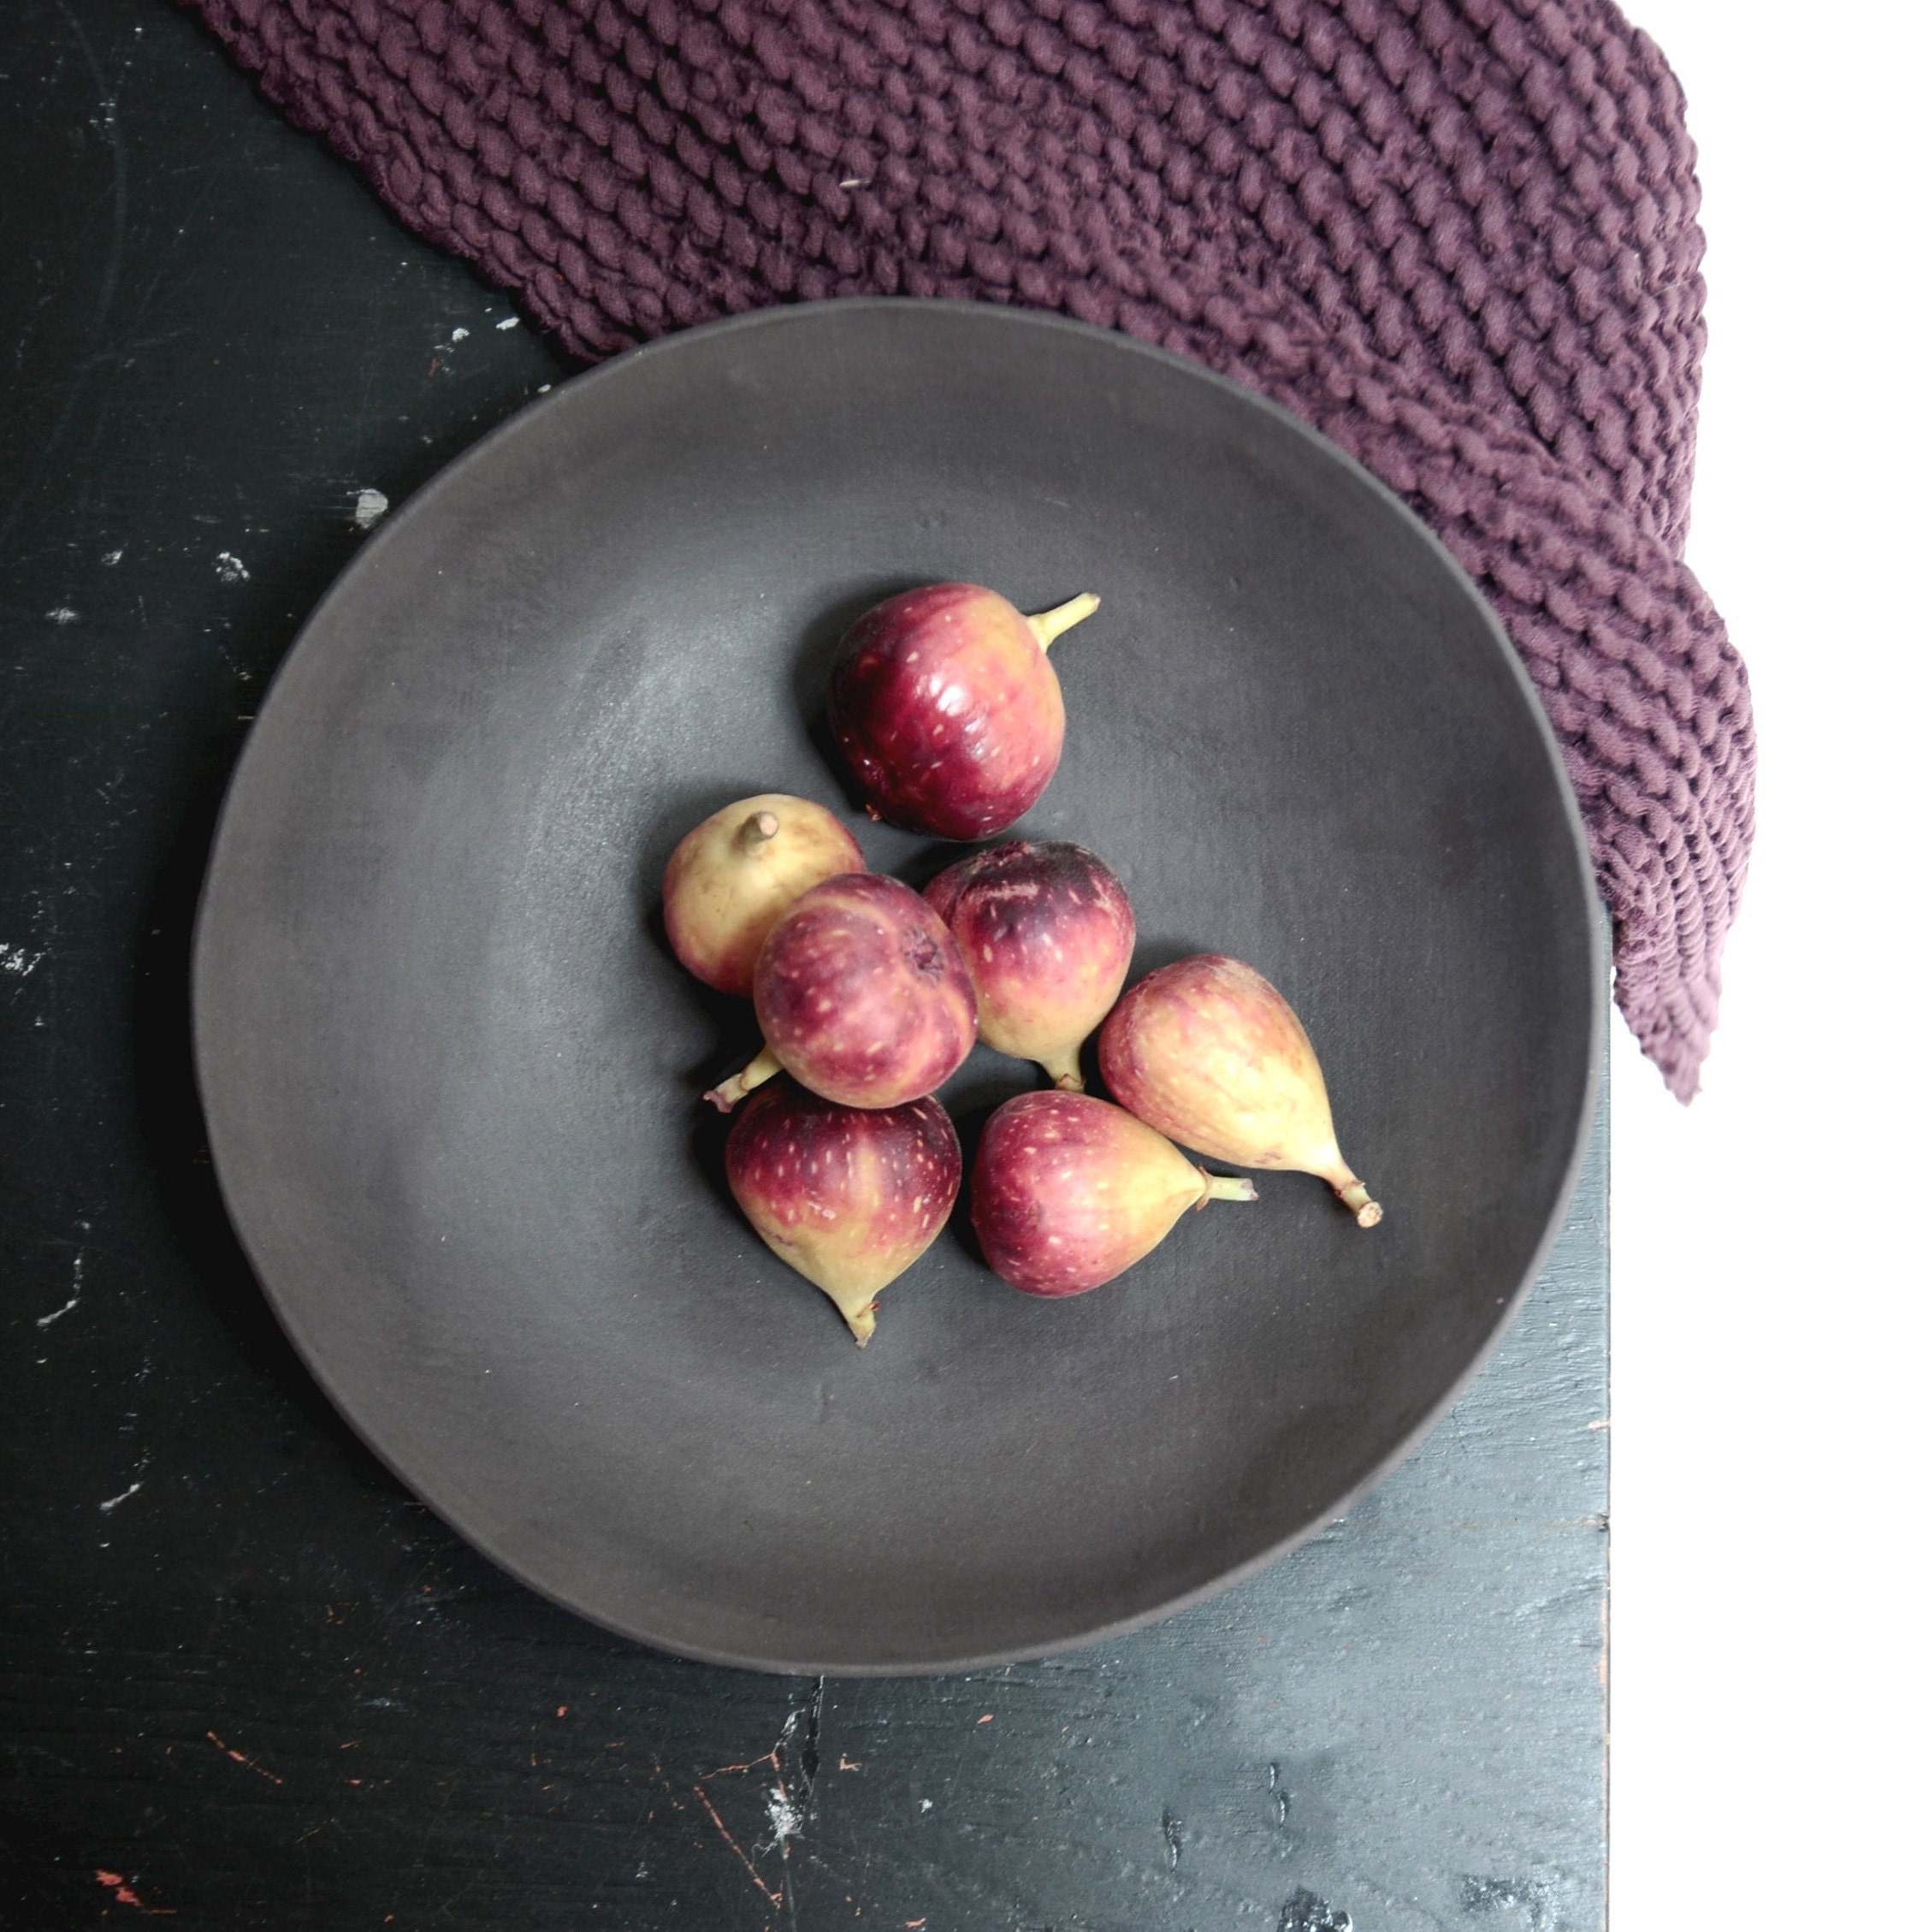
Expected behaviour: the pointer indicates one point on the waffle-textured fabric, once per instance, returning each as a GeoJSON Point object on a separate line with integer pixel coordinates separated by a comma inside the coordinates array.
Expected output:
{"type": "Point", "coordinates": [1458, 236]}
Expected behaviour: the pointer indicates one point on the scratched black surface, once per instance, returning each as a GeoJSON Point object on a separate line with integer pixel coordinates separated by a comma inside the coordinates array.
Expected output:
{"type": "Point", "coordinates": [245, 1679]}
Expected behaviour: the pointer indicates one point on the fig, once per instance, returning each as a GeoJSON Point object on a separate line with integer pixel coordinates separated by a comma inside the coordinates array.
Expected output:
{"type": "Point", "coordinates": [945, 706]}
{"type": "Point", "coordinates": [862, 995]}
{"type": "Point", "coordinates": [1209, 1053]}
{"type": "Point", "coordinates": [731, 878]}
{"type": "Point", "coordinates": [848, 1196]}
{"type": "Point", "coordinates": [1069, 1191]}
{"type": "Point", "coordinates": [1046, 932]}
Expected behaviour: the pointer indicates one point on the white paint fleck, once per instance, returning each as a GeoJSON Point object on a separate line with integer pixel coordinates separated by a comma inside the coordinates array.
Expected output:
{"type": "Point", "coordinates": [112, 557]}
{"type": "Point", "coordinates": [18, 961]}
{"type": "Point", "coordinates": [371, 507]}
{"type": "Point", "coordinates": [543, 388]}
{"type": "Point", "coordinates": [923, 1803]}
{"type": "Point", "coordinates": [229, 568]}
{"type": "Point", "coordinates": [73, 1300]}
{"type": "Point", "coordinates": [510, 322]}
{"type": "Point", "coordinates": [64, 614]}
{"type": "Point", "coordinates": [459, 336]}
{"type": "Point", "coordinates": [786, 1820]}
{"type": "Point", "coordinates": [855, 181]}
{"type": "Point", "coordinates": [115, 1502]}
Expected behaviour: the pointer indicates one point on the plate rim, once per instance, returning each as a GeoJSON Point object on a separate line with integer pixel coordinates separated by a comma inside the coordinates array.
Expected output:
{"type": "Point", "coordinates": [367, 557]}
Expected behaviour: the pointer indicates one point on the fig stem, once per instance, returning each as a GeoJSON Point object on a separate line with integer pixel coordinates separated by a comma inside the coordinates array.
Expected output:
{"type": "Point", "coordinates": [1228, 1186]}
{"type": "Point", "coordinates": [1366, 1209]}
{"type": "Point", "coordinates": [864, 1324]}
{"type": "Point", "coordinates": [759, 826]}
{"type": "Point", "coordinates": [727, 1093]}
{"type": "Point", "coordinates": [1049, 625]}
{"type": "Point", "coordinates": [1064, 1070]}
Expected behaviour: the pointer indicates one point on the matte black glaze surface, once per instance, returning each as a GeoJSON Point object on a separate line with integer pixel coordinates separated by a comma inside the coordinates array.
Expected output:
{"type": "Point", "coordinates": [451, 1072]}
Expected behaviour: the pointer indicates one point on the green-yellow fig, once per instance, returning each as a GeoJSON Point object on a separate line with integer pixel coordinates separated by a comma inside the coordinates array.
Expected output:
{"type": "Point", "coordinates": [1209, 1053]}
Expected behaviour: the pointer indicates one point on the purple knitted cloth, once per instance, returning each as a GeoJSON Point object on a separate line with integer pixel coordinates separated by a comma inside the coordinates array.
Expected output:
{"type": "Point", "coordinates": [1458, 236]}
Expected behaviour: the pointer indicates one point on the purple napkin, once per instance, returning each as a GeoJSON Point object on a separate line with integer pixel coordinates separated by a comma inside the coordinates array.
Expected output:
{"type": "Point", "coordinates": [1458, 236]}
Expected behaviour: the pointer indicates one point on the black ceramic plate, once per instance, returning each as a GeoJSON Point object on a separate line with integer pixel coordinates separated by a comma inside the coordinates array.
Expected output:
{"type": "Point", "coordinates": [452, 1075]}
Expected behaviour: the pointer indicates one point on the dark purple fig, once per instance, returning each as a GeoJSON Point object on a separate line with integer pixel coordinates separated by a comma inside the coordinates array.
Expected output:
{"type": "Point", "coordinates": [948, 710]}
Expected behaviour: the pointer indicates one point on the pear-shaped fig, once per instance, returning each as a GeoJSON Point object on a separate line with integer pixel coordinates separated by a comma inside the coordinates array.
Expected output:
{"type": "Point", "coordinates": [945, 705]}
{"type": "Point", "coordinates": [1069, 1191]}
{"type": "Point", "coordinates": [862, 995]}
{"type": "Point", "coordinates": [1210, 1054]}
{"type": "Point", "coordinates": [850, 1196]}
{"type": "Point", "coordinates": [731, 878]}
{"type": "Point", "coordinates": [1046, 932]}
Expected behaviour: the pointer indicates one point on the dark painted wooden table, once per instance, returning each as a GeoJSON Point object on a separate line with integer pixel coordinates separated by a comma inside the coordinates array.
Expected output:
{"type": "Point", "coordinates": [246, 1680]}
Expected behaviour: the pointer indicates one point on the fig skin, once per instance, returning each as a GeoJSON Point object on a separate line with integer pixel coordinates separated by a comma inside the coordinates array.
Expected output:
{"type": "Point", "coordinates": [1208, 1052]}
{"type": "Point", "coordinates": [848, 1196]}
{"type": "Point", "coordinates": [1068, 1192]}
{"type": "Point", "coordinates": [1047, 932]}
{"type": "Point", "coordinates": [862, 995]}
{"type": "Point", "coordinates": [732, 877]}
{"type": "Point", "coordinates": [946, 709]}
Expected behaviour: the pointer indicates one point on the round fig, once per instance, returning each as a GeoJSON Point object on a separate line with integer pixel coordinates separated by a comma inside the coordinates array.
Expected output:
{"type": "Point", "coordinates": [862, 995]}
{"type": "Point", "coordinates": [945, 706]}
